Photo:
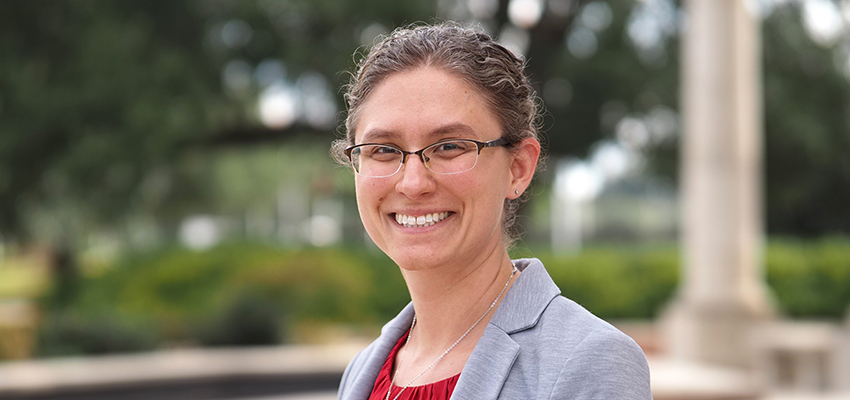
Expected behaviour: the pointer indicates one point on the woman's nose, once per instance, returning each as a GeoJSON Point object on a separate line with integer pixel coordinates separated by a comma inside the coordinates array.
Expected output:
{"type": "Point", "coordinates": [415, 178]}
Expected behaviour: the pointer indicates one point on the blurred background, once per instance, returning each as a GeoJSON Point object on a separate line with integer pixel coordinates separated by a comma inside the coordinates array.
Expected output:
{"type": "Point", "coordinates": [165, 182]}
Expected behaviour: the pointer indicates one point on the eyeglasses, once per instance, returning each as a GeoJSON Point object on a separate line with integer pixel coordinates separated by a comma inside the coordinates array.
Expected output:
{"type": "Point", "coordinates": [445, 157]}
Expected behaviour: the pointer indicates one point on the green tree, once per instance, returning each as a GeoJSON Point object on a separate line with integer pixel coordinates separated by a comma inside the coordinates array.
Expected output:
{"type": "Point", "coordinates": [807, 129]}
{"type": "Point", "coordinates": [100, 99]}
{"type": "Point", "coordinates": [100, 102]}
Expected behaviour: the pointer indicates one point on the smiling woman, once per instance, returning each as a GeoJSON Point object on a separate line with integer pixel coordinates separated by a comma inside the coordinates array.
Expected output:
{"type": "Point", "coordinates": [442, 137]}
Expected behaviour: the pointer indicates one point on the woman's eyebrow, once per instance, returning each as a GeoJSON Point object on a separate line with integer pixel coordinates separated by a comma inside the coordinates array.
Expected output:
{"type": "Point", "coordinates": [378, 135]}
{"type": "Point", "coordinates": [457, 127]}
{"type": "Point", "coordinates": [375, 135]}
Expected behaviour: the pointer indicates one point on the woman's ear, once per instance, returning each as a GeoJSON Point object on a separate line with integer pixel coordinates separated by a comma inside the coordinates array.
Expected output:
{"type": "Point", "coordinates": [523, 164]}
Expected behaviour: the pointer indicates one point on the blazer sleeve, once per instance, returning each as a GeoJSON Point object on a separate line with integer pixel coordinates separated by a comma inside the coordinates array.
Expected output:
{"type": "Point", "coordinates": [606, 365]}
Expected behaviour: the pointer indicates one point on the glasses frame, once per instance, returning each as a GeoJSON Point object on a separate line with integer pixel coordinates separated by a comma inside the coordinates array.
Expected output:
{"type": "Point", "coordinates": [421, 153]}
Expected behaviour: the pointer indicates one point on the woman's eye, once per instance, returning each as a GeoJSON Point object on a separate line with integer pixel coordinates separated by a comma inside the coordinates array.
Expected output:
{"type": "Point", "coordinates": [383, 153]}
{"type": "Point", "coordinates": [384, 150]}
{"type": "Point", "coordinates": [452, 147]}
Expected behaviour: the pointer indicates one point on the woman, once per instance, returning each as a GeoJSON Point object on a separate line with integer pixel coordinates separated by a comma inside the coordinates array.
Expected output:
{"type": "Point", "coordinates": [442, 135]}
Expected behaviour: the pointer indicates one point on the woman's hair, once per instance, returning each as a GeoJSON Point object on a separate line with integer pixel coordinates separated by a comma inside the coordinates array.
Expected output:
{"type": "Point", "coordinates": [474, 57]}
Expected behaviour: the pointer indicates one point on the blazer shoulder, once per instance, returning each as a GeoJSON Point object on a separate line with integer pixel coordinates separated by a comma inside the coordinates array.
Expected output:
{"type": "Point", "coordinates": [566, 317]}
{"type": "Point", "coordinates": [571, 353]}
{"type": "Point", "coordinates": [602, 362]}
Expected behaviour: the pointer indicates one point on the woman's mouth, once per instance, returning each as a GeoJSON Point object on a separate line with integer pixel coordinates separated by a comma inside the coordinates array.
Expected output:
{"type": "Point", "coordinates": [421, 221]}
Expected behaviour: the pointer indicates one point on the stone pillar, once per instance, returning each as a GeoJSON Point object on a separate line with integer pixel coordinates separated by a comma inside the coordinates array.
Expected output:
{"type": "Point", "coordinates": [722, 291]}
{"type": "Point", "coordinates": [841, 365]}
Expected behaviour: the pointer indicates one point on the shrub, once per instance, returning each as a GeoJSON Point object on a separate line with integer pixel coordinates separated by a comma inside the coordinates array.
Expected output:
{"type": "Point", "coordinates": [182, 289]}
{"type": "Point", "coordinates": [71, 333]}
{"type": "Point", "coordinates": [250, 294]}
{"type": "Point", "coordinates": [810, 279]}
{"type": "Point", "coordinates": [617, 283]}
{"type": "Point", "coordinates": [250, 319]}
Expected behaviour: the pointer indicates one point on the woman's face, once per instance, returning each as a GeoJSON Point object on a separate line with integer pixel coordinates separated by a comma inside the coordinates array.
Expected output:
{"type": "Point", "coordinates": [412, 110]}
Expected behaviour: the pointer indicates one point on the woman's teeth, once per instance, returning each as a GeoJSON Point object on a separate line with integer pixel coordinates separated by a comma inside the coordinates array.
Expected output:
{"type": "Point", "coordinates": [420, 221]}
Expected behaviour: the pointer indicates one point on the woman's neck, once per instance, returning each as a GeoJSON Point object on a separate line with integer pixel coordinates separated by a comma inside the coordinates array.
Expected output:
{"type": "Point", "coordinates": [449, 299]}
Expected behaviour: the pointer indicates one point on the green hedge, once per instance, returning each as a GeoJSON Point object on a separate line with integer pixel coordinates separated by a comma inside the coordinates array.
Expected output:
{"type": "Point", "coordinates": [617, 283]}
{"type": "Point", "coordinates": [245, 294]}
{"type": "Point", "coordinates": [236, 294]}
{"type": "Point", "coordinates": [180, 282]}
{"type": "Point", "coordinates": [810, 279]}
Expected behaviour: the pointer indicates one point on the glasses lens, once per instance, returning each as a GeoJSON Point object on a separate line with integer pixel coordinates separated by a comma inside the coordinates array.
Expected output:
{"type": "Point", "coordinates": [451, 157]}
{"type": "Point", "coordinates": [376, 160]}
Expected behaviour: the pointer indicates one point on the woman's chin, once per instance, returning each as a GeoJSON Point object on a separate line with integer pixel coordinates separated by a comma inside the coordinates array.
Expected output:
{"type": "Point", "coordinates": [419, 258]}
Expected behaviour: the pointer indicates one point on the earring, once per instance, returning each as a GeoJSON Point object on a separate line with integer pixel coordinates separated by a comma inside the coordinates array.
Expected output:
{"type": "Point", "coordinates": [516, 191]}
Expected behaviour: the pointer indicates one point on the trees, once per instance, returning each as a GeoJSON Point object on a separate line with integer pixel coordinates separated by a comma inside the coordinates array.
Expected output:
{"type": "Point", "coordinates": [807, 143]}
{"type": "Point", "coordinates": [101, 101]}
{"type": "Point", "coordinates": [96, 98]}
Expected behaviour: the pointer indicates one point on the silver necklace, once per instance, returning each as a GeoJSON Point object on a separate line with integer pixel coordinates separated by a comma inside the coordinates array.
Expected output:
{"type": "Point", "coordinates": [410, 333]}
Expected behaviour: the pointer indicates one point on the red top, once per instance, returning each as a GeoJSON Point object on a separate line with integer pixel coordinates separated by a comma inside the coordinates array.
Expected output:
{"type": "Point", "coordinates": [440, 390]}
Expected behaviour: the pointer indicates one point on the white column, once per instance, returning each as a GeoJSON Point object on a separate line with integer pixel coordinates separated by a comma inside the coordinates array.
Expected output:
{"type": "Point", "coordinates": [722, 291]}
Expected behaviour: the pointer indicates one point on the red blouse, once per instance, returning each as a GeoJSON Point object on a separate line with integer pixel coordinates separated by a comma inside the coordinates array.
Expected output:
{"type": "Point", "coordinates": [440, 390]}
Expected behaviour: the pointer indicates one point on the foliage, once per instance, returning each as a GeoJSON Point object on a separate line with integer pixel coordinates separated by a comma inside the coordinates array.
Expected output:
{"type": "Point", "coordinates": [250, 320]}
{"type": "Point", "coordinates": [21, 281]}
{"type": "Point", "coordinates": [101, 102]}
{"type": "Point", "coordinates": [613, 80]}
{"type": "Point", "coordinates": [249, 294]}
{"type": "Point", "coordinates": [178, 286]}
{"type": "Point", "coordinates": [96, 99]}
{"type": "Point", "coordinates": [72, 333]}
{"type": "Point", "coordinates": [617, 283]}
{"type": "Point", "coordinates": [810, 279]}
{"type": "Point", "coordinates": [807, 148]}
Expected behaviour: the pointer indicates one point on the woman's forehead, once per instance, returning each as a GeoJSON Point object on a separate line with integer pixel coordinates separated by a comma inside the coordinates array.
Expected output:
{"type": "Point", "coordinates": [431, 103]}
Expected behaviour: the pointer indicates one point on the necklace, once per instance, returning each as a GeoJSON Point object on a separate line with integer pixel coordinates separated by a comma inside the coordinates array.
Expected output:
{"type": "Point", "coordinates": [410, 333]}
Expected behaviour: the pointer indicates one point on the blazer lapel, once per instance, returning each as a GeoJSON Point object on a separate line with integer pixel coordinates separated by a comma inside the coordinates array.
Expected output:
{"type": "Point", "coordinates": [488, 366]}
{"type": "Point", "coordinates": [491, 361]}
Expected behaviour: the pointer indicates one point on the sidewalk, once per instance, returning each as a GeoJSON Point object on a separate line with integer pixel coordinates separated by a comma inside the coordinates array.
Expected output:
{"type": "Point", "coordinates": [288, 365]}
{"type": "Point", "coordinates": [254, 371]}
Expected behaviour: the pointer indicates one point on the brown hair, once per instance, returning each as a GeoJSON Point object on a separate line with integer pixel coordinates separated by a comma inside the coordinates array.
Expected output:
{"type": "Point", "coordinates": [470, 54]}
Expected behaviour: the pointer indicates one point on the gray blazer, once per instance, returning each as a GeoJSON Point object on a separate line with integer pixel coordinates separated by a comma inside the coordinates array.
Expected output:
{"type": "Point", "coordinates": [538, 345]}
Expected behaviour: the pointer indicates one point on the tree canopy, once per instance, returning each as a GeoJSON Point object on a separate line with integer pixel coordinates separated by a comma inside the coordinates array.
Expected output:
{"type": "Point", "coordinates": [101, 100]}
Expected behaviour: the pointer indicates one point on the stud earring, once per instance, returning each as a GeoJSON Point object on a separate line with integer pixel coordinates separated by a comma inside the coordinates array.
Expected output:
{"type": "Point", "coordinates": [516, 191]}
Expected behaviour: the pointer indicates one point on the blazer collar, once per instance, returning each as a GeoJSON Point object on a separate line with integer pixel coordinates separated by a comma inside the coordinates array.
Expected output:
{"type": "Point", "coordinates": [490, 363]}
{"type": "Point", "coordinates": [488, 366]}
{"type": "Point", "coordinates": [527, 299]}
